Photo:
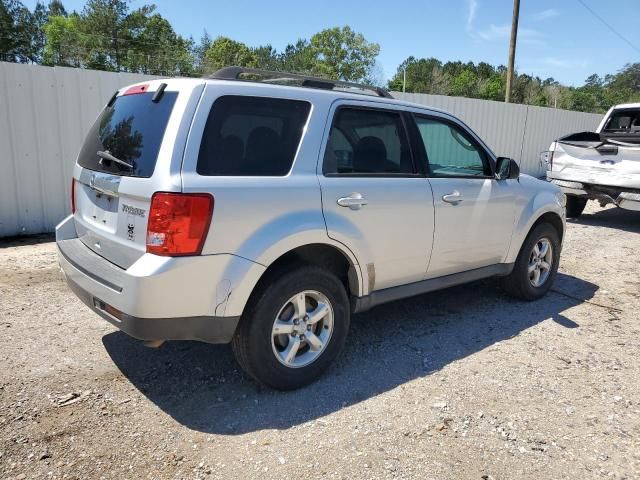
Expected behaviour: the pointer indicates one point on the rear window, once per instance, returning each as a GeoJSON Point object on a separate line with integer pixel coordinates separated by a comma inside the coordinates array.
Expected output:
{"type": "Point", "coordinates": [130, 130]}
{"type": "Point", "coordinates": [624, 121]}
{"type": "Point", "coordinates": [367, 141]}
{"type": "Point", "coordinates": [252, 136]}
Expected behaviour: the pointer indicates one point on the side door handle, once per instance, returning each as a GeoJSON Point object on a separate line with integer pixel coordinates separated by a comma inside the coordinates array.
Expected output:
{"type": "Point", "coordinates": [454, 197]}
{"type": "Point", "coordinates": [355, 201]}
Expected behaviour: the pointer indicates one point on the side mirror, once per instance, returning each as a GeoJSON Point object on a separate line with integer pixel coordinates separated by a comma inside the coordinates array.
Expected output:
{"type": "Point", "coordinates": [507, 168]}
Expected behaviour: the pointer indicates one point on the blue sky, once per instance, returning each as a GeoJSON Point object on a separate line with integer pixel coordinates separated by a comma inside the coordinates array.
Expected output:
{"type": "Point", "coordinates": [559, 39]}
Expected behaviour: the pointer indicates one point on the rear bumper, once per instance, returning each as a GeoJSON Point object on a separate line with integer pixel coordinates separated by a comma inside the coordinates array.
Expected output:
{"type": "Point", "coordinates": [157, 298]}
{"type": "Point", "coordinates": [205, 329]}
{"type": "Point", "coordinates": [628, 199]}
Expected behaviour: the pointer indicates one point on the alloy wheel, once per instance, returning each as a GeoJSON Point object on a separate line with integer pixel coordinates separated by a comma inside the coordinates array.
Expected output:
{"type": "Point", "coordinates": [302, 329]}
{"type": "Point", "coordinates": [540, 262]}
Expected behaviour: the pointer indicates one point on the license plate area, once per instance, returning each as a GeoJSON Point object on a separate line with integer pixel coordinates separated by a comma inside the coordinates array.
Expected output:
{"type": "Point", "coordinates": [101, 210]}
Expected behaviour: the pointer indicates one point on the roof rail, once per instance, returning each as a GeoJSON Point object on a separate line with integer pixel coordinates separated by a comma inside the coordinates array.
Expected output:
{"type": "Point", "coordinates": [266, 76]}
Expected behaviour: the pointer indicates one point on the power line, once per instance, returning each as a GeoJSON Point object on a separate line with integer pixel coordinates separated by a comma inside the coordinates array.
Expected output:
{"type": "Point", "coordinates": [606, 24]}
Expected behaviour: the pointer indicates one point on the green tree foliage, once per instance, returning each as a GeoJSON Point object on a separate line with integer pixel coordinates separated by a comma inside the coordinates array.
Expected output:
{"type": "Point", "coordinates": [20, 32]}
{"type": "Point", "coordinates": [103, 32]}
{"type": "Point", "coordinates": [225, 52]}
{"type": "Point", "coordinates": [299, 57]}
{"type": "Point", "coordinates": [199, 53]}
{"type": "Point", "coordinates": [429, 75]}
{"type": "Point", "coordinates": [153, 47]}
{"type": "Point", "coordinates": [56, 9]}
{"type": "Point", "coordinates": [334, 53]}
{"type": "Point", "coordinates": [64, 41]}
{"type": "Point", "coordinates": [344, 54]}
{"type": "Point", "coordinates": [108, 35]}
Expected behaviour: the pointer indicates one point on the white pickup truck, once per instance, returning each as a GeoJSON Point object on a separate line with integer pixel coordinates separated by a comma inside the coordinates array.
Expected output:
{"type": "Point", "coordinates": [603, 165]}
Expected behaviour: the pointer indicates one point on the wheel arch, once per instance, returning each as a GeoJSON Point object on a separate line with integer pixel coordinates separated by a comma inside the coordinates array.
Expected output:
{"type": "Point", "coordinates": [554, 220]}
{"type": "Point", "coordinates": [537, 212]}
{"type": "Point", "coordinates": [327, 254]}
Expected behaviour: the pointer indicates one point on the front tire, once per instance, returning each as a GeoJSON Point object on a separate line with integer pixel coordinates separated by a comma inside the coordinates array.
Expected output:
{"type": "Point", "coordinates": [293, 328]}
{"type": "Point", "coordinates": [537, 264]}
{"type": "Point", "coordinates": [575, 206]}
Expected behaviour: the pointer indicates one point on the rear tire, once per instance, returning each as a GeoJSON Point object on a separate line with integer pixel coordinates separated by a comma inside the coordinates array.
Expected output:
{"type": "Point", "coordinates": [530, 278]}
{"type": "Point", "coordinates": [575, 206]}
{"type": "Point", "coordinates": [293, 327]}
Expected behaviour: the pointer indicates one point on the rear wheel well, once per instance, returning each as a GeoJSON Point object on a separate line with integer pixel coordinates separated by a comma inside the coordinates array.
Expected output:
{"type": "Point", "coordinates": [321, 255]}
{"type": "Point", "coordinates": [552, 219]}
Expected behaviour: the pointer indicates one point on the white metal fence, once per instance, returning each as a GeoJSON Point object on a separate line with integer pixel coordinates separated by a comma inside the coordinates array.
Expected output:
{"type": "Point", "coordinates": [45, 113]}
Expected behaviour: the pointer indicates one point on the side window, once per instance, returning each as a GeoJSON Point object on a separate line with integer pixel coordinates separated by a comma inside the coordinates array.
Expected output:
{"type": "Point", "coordinates": [367, 141]}
{"type": "Point", "coordinates": [251, 136]}
{"type": "Point", "coordinates": [450, 152]}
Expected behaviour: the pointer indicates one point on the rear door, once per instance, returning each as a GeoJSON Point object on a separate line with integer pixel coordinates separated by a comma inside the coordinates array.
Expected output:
{"type": "Point", "coordinates": [374, 198]}
{"type": "Point", "coordinates": [474, 212]}
{"type": "Point", "coordinates": [131, 151]}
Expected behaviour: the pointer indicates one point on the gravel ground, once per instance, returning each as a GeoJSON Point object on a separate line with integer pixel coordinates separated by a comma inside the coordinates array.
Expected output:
{"type": "Point", "coordinates": [463, 383]}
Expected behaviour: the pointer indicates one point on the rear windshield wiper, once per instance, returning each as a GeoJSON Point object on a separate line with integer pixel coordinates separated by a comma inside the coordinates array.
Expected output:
{"type": "Point", "coordinates": [106, 155]}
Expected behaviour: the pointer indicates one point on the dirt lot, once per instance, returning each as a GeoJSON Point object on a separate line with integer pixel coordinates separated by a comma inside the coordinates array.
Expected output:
{"type": "Point", "coordinates": [463, 383]}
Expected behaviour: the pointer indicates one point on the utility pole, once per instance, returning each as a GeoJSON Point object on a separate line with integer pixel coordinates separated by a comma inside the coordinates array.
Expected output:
{"type": "Point", "coordinates": [512, 49]}
{"type": "Point", "coordinates": [404, 80]}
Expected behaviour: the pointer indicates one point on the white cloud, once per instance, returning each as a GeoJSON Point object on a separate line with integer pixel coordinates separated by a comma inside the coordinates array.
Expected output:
{"type": "Point", "coordinates": [495, 32]}
{"type": "Point", "coordinates": [564, 63]}
{"type": "Point", "coordinates": [501, 32]}
{"type": "Point", "coordinates": [471, 14]}
{"type": "Point", "coordinates": [546, 14]}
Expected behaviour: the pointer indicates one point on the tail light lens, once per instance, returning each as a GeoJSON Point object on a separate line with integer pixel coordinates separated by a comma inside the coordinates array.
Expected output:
{"type": "Point", "coordinates": [73, 195]}
{"type": "Point", "coordinates": [546, 159]}
{"type": "Point", "coordinates": [135, 90]}
{"type": "Point", "coordinates": [178, 223]}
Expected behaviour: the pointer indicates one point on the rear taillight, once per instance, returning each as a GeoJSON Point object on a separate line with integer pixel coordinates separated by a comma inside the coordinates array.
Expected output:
{"type": "Point", "coordinates": [73, 195]}
{"type": "Point", "coordinates": [546, 159]}
{"type": "Point", "coordinates": [178, 223]}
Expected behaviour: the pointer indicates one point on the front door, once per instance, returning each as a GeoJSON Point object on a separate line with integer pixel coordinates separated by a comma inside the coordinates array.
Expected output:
{"type": "Point", "coordinates": [373, 198]}
{"type": "Point", "coordinates": [474, 212]}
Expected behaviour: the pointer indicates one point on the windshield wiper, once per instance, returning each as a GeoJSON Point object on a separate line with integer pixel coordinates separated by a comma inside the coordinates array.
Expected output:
{"type": "Point", "coordinates": [106, 155]}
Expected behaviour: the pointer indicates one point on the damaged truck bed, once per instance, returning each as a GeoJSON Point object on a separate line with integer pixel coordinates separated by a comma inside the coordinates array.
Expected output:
{"type": "Point", "coordinates": [603, 165]}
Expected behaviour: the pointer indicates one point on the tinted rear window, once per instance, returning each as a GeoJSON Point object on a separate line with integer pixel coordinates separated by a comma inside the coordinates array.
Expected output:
{"type": "Point", "coordinates": [624, 120]}
{"type": "Point", "coordinates": [367, 141]}
{"type": "Point", "coordinates": [131, 129]}
{"type": "Point", "coordinates": [252, 136]}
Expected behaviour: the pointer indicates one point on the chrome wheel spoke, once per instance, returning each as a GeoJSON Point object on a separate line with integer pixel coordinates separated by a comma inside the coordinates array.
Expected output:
{"type": "Point", "coordinates": [318, 314]}
{"type": "Point", "coordinates": [300, 305]}
{"type": "Point", "coordinates": [289, 353]}
{"type": "Point", "coordinates": [545, 266]}
{"type": "Point", "coordinates": [282, 328]}
{"type": "Point", "coordinates": [545, 249]}
{"type": "Point", "coordinates": [314, 341]}
{"type": "Point", "coordinates": [531, 269]}
{"type": "Point", "coordinates": [536, 277]}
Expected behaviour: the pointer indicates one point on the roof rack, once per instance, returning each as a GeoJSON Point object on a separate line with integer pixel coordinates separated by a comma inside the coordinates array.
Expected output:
{"type": "Point", "coordinates": [266, 76]}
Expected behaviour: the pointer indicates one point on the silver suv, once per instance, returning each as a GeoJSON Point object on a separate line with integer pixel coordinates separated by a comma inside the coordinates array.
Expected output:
{"type": "Point", "coordinates": [264, 209]}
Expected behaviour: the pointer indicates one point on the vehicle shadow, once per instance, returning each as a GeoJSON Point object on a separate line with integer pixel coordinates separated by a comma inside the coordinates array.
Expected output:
{"type": "Point", "coordinates": [200, 385]}
{"type": "Point", "coordinates": [23, 240]}
{"type": "Point", "coordinates": [613, 217]}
